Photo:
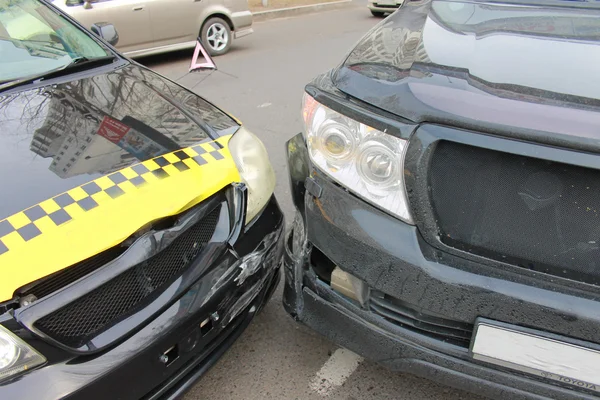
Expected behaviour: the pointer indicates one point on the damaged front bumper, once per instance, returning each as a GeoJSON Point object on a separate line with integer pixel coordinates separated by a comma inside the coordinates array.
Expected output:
{"type": "Point", "coordinates": [197, 322]}
{"type": "Point", "coordinates": [413, 309]}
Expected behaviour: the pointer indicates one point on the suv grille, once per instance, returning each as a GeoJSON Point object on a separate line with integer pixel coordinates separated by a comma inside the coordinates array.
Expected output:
{"type": "Point", "coordinates": [401, 314]}
{"type": "Point", "coordinates": [536, 214]}
{"type": "Point", "coordinates": [78, 322]}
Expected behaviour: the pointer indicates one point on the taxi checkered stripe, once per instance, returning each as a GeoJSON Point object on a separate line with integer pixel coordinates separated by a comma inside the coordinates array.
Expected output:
{"type": "Point", "coordinates": [43, 217]}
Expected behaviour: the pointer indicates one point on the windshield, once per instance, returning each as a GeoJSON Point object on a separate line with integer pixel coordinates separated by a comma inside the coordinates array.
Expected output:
{"type": "Point", "coordinates": [34, 39]}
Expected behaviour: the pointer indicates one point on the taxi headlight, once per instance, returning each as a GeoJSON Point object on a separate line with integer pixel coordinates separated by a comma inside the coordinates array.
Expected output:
{"type": "Point", "coordinates": [16, 356]}
{"type": "Point", "coordinates": [252, 161]}
{"type": "Point", "coordinates": [366, 161]}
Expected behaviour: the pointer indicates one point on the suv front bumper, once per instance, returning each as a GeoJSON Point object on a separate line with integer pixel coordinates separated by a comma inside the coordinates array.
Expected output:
{"type": "Point", "coordinates": [390, 257]}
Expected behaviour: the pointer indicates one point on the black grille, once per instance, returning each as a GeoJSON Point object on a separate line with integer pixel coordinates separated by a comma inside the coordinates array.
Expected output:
{"type": "Point", "coordinates": [78, 322]}
{"type": "Point", "coordinates": [536, 214]}
{"type": "Point", "coordinates": [401, 314]}
{"type": "Point", "coordinates": [61, 279]}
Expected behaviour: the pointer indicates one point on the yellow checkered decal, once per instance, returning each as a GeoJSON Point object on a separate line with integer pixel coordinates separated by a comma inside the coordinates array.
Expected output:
{"type": "Point", "coordinates": [52, 213]}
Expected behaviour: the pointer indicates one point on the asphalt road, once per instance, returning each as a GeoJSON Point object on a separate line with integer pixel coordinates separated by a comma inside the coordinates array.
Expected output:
{"type": "Point", "coordinates": [261, 82]}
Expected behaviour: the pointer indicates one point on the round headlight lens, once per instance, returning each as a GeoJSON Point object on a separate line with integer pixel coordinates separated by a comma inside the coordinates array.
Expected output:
{"type": "Point", "coordinates": [378, 165]}
{"type": "Point", "coordinates": [9, 353]}
{"type": "Point", "coordinates": [337, 141]}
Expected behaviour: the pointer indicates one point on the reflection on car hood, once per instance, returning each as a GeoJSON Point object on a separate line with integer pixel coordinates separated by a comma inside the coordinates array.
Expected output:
{"type": "Point", "coordinates": [525, 71]}
{"type": "Point", "coordinates": [87, 163]}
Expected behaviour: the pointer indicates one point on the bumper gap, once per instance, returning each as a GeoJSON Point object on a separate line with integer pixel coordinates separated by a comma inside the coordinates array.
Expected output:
{"type": "Point", "coordinates": [321, 265]}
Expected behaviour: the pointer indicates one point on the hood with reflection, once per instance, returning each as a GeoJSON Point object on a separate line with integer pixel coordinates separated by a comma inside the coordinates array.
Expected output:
{"type": "Point", "coordinates": [58, 137]}
{"type": "Point", "coordinates": [517, 70]}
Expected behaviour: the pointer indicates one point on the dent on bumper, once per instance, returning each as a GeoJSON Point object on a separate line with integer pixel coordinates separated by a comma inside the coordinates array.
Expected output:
{"type": "Point", "coordinates": [229, 294]}
{"type": "Point", "coordinates": [389, 256]}
{"type": "Point", "coordinates": [352, 329]}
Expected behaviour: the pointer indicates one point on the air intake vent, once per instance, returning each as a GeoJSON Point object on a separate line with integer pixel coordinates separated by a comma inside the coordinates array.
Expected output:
{"type": "Point", "coordinates": [532, 213]}
{"type": "Point", "coordinates": [401, 314]}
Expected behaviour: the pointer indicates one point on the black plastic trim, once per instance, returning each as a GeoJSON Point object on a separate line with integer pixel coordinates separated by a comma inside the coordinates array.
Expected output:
{"type": "Point", "coordinates": [363, 113]}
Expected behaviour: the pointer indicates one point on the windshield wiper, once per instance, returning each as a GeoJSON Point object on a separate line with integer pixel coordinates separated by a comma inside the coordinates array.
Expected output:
{"type": "Point", "coordinates": [77, 64]}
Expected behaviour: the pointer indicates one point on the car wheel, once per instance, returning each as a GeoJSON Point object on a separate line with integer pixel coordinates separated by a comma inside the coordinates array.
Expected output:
{"type": "Point", "coordinates": [216, 36]}
{"type": "Point", "coordinates": [378, 14]}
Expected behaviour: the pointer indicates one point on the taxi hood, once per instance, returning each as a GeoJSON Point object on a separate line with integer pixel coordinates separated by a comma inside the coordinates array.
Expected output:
{"type": "Point", "coordinates": [525, 69]}
{"type": "Point", "coordinates": [87, 163]}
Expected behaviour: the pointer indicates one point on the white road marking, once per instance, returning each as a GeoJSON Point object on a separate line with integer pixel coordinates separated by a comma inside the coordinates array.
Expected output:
{"type": "Point", "coordinates": [264, 105]}
{"type": "Point", "coordinates": [335, 371]}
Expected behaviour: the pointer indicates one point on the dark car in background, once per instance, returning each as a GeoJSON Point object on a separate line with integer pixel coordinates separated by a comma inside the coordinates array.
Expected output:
{"type": "Point", "coordinates": [139, 234]}
{"type": "Point", "coordinates": [447, 189]}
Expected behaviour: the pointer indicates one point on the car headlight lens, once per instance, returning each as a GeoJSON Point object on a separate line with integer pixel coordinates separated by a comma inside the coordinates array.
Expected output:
{"type": "Point", "coordinates": [368, 162]}
{"type": "Point", "coordinates": [16, 356]}
{"type": "Point", "coordinates": [252, 161]}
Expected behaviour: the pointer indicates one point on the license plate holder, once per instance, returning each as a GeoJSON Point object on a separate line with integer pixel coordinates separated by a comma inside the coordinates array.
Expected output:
{"type": "Point", "coordinates": [554, 357]}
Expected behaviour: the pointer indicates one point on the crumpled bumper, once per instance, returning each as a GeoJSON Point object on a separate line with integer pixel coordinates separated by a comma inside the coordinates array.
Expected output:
{"type": "Point", "coordinates": [391, 258]}
{"type": "Point", "coordinates": [165, 357]}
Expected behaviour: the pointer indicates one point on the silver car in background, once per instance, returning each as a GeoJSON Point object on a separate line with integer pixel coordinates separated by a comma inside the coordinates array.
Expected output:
{"type": "Point", "coordinates": [148, 27]}
{"type": "Point", "coordinates": [381, 7]}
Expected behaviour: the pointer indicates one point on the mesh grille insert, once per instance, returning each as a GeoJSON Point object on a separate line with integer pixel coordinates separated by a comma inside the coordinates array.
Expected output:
{"type": "Point", "coordinates": [86, 317]}
{"type": "Point", "coordinates": [69, 275]}
{"type": "Point", "coordinates": [536, 214]}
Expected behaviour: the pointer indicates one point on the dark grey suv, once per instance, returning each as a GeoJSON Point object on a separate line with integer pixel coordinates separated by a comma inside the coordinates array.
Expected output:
{"type": "Point", "coordinates": [448, 195]}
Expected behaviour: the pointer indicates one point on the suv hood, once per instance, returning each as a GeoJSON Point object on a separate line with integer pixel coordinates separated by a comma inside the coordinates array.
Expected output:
{"type": "Point", "coordinates": [528, 71]}
{"type": "Point", "coordinates": [87, 163]}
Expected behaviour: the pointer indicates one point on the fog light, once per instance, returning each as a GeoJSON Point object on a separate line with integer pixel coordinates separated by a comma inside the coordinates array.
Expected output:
{"type": "Point", "coordinates": [349, 285]}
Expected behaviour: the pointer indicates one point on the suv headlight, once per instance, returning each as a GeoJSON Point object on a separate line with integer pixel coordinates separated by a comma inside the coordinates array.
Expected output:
{"type": "Point", "coordinates": [16, 356]}
{"type": "Point", "coordinates": [368, 162]}
{"type": "Point", "coordinates": [252, 161]}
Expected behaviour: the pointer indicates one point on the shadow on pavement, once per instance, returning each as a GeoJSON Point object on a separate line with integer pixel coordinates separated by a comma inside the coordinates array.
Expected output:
{"type": "Point", "coordinates": [174, 56]}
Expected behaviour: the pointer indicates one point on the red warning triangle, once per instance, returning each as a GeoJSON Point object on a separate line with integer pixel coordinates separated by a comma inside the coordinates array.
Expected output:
{"type": "Point", "coordinates": [197, 64]}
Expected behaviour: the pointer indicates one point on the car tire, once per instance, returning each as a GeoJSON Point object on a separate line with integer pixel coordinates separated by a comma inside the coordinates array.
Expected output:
{"type": "Point", "coordinates": [377, 14]}
{"type": "Point", "coordinates": [216, 36]}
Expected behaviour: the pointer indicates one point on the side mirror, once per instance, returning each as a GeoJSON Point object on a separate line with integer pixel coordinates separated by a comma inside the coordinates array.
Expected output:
{"type": "Point", "coordinates": [106, 31]}
{"type": "Point", "coordinates": [87, 4]}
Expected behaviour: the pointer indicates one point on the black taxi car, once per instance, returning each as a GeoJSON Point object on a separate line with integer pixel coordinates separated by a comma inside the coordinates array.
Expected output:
{"type": "Point", "coordinates": [448, 195]}
{"type": "Point", "coordinates": [139, 234]}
